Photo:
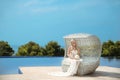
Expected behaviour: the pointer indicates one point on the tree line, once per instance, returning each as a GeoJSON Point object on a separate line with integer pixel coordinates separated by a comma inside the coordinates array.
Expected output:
{"type": "Point", "coordinates": [52, 48]}
{"type": "Point", "coordinates": [32, 49]}
{"type": "Point", "coordinates": [111, 49]}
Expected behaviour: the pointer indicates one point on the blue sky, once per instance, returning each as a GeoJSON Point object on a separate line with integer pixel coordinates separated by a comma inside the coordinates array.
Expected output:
{"type": "Point", "coordinates": [41, 21]}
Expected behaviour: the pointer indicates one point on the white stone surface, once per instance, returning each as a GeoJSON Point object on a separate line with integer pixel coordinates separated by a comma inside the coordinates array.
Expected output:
{"type": "Point", "coordinates": [41, 73]}
{"type": "Point", "coordinates": [90, 52]}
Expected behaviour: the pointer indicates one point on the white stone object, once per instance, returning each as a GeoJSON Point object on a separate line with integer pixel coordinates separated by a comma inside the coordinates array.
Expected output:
{"type": "Point", "coordinates": [90, 52]}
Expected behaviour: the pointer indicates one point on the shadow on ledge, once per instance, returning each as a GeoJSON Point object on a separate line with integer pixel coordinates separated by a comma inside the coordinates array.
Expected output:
{"type": "Point", "coordinates": [104, 74]}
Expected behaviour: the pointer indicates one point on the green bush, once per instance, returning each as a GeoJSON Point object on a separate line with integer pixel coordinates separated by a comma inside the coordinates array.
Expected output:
{"type": "Point", "coordinates": [54, 49]}
{"type": "Point", "coordinates": [33, 49]}
{"type": "Point", "coordinates": [111, 48]}
{"type": "Point", "coordinates": [30, 49]}
{"type": "Point", "coordinates": [5, 49]}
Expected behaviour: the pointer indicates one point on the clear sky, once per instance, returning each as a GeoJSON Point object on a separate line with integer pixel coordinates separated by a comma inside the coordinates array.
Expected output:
{"type": "Point", "coordinates": [41, 21]}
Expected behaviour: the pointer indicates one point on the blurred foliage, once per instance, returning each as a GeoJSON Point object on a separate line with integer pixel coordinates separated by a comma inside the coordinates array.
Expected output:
{"type": "Point", "coordinates": [111, 48]}
{"type": "Point", "coordinates": [30, 49]}
{"type": "Point", "coordinates": [34, 49]}
{"type": "Point", "coordinates": [5, 49]}
{"type": "Point", "coordinates": [52, 48]}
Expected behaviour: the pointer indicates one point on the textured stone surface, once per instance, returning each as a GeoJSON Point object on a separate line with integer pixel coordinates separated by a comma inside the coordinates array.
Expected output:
{"type": "Point", "coordinates": [90, 52]}
{"type": "Point", "coordinates": [41, 73]}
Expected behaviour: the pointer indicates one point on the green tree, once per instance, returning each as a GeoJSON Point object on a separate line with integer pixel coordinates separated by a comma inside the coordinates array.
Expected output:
{"type": "Point", "coordinates": [5, 49]}
{"type": "Point", "coordinates": [54, 49]}
{"type": "Point", "coordinates": [105, 52]}
{"type": "Point", "coordinates": [117, 48]}
{"type": "Point", "coordinates": [44, 52]}
{"type": "Point", "coordinates": [111, 48]}
{"type": "Point", "coordinates": [30, 49]}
